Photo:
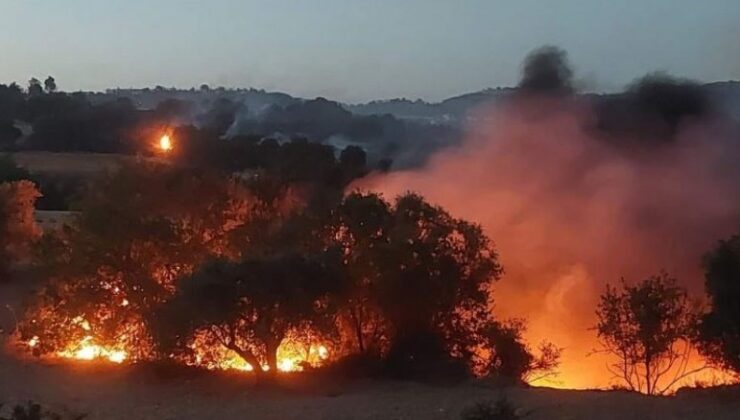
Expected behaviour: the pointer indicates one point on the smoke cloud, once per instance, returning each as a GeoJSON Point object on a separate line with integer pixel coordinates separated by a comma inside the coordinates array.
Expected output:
{"type": "Point", "coordinates": [572, 208]}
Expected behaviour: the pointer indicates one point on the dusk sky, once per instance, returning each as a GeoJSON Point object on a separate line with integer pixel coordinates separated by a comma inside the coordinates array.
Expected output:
{"type": "Point", "coordinates": [360, 50]}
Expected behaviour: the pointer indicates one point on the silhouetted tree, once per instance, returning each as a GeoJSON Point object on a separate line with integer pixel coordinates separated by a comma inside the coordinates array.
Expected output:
{"type": "Point", "coordinates": [50, 85]}
{"type": "Point", "coordinates": [12, 102]}
{"type": "Point", "coordinates": [719, 330]}
{"type": "Point", "coordinates": [412, 248]}
{"type": "Point", "coordinates": [34, 87]}
{"type": "Point", "coordinates": [508, 355]}
{"type": "Point", "coordinates": [10, 171]}
{"type": "Point", "coordinates": [249, 307]}
{"type": "Point", "coordinates": [647, 328]}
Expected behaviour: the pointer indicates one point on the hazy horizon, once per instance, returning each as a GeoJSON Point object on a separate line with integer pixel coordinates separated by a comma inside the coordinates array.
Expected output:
{"type": "Point", "coordinates": [356, 51]}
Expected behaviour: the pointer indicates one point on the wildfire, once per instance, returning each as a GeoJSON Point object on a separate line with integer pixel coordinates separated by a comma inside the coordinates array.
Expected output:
{"type": "Point", "coordinates": [86, 349]}
{"type": "Point", "coordinates": [292, 357]}
{"type": "Point", "coordinates": [165, 143]}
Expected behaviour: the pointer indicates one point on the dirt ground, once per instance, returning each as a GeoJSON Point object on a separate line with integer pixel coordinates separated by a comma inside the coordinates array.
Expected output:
{"type": "Point", "coordinates": [105, 392]}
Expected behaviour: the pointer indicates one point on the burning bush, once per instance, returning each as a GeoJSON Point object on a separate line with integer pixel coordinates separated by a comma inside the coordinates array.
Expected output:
{"type": "Point", "coordinates": [248, 308]}
{"type": "Point", "coordinates": [138, 231]}
{"type": "Point", "coordinates": [233, 281]}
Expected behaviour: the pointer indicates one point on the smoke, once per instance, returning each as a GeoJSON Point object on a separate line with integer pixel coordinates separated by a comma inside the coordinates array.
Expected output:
{"type": "Point", "coordinates": [573, 206]}
{"type": "Point", "coordinates": [547, 70]}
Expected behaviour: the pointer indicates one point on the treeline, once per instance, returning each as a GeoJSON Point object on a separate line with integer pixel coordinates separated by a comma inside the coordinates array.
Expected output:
{"type": "Point", "coordinates": [162, 256]}
{"type": "Point", "coordinates": [42, 118]}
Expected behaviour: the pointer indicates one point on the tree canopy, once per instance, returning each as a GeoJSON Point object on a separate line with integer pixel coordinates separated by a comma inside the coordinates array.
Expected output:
{"type": "Point", "coordinates": [719, 330]}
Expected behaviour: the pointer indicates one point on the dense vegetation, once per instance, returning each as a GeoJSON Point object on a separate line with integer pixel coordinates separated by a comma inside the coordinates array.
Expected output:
{"type": "Point", "coordinates": [147, 268]}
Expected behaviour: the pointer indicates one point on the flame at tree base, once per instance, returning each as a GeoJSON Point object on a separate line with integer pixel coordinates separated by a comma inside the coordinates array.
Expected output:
{"type": "Point", "coordinates": [292, 357]}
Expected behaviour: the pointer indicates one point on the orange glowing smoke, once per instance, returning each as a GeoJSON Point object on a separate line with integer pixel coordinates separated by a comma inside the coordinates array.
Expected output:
{"type": "Point", "coordinates": [569, 213]}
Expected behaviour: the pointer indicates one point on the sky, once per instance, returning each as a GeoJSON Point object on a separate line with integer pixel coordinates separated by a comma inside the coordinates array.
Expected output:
{"type": "Point", "coordinates": [355, 51]}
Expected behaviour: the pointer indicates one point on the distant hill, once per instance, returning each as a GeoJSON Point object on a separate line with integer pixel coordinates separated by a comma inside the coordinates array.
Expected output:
{"type": "Point", "coordinates": [449, 111]}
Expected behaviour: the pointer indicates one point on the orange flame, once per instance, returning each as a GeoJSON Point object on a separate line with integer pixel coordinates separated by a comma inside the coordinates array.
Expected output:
{"type": "Point", "coordinates": [165, 143]}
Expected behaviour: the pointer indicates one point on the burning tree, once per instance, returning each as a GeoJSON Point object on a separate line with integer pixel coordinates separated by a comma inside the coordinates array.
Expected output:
{"type": "Point", "coordinates": [647, 327]}
{"type": "Point", "coordinates": [138, 231]}
{"type": "Point", "coordinates": [234, 278]}
{"type": "Point", "coordinates": [18, 230]}
{"type": "Point", "coordinates": [249, 307]}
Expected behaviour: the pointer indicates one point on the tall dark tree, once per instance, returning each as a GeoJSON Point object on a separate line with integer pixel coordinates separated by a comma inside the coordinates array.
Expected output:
{"type": "Point", "coordinates": [50, 85]}
{"type": "Point", "coordinates": [34, 87]}
{"type": "Point", "coordinates": [412, 248]}
{"type": "Point", "coordinates": [719, 331]}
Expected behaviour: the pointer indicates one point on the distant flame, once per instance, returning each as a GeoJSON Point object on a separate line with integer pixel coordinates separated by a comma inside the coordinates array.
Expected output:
{"type": "Point", "coordinates": [165, 143]}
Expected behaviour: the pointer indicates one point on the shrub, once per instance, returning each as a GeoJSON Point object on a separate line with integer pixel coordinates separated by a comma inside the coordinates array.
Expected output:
{"type": "Point", "coordinates": [501, 409]}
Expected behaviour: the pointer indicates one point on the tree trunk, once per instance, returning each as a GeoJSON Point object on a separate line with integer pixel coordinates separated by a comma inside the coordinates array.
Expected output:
{"type": "Point", "coordinates": [253, 361]}
{"type": "Point", "coordinates": [358, 330]}
{"type": "Point", "coordinates": [272, 359]}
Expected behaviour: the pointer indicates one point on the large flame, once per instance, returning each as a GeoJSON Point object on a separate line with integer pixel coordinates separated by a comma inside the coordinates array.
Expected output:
{"type": "Point", "coordinates": [292, 356]}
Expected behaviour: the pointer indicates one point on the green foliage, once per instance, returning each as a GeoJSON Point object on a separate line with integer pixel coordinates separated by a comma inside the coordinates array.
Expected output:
{"type": "Point", "coordinates": [719, 330]}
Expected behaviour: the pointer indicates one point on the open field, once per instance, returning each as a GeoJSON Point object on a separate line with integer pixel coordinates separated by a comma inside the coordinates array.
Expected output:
{"type": "Point", "coordinates": [119, 392]}
{"type": "Point", "coordinates": [79, 164]}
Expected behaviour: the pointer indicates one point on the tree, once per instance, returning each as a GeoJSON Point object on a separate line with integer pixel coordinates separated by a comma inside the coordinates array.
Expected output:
{"type": "Point", "coordinates": [137, 231]}
{"type": "Point", "coordinates": [50, 85]}
{"type": "Point", "coordinates": [647, 328]}
{"type": "Point", "coordinates": [412, 248]}
{"type": "Point", "coordinates": [18, 229]}
{"type": "Point", "coordinates": [12, 102]}
{"type": "Point", "coordinates": [34, 87]}
{"type": "Point", "coordinates": [719, 329]}
{"type": "Point", "coordinates": [10, 171]}
{"type": "Point", "coordinates": [510, 357]}
{"type": "Point", "coordinates": [249, 307]}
